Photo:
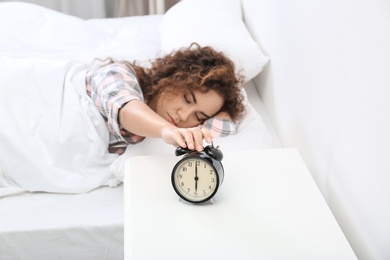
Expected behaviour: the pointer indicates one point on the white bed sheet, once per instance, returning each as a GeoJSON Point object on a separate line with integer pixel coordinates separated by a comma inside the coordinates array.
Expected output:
{"type": "Point", "coordinates": [62, 226]}
{"type": "Point", "coordinates": [90, 226]}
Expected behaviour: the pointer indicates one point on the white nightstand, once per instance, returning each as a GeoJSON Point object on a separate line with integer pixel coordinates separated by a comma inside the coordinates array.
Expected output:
{"type": "Point", "coordinates": [268, 207]}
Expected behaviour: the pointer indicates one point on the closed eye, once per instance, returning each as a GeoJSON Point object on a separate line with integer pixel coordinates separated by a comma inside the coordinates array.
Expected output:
{"type": "Point", "coordinates": [200, 120]}
{"type": "Point", "coordinates": [186, 99]}
{"type": "Point", "coordinates": [192, 96]}
{"type": "Point", "coordinates": [200, 116]}
{"type": "Point", "coordinates": [203, 118]}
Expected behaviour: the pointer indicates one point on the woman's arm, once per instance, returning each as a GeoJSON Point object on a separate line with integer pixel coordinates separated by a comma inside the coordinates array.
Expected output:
{"type": "Point", "coordinates": [138, 118]}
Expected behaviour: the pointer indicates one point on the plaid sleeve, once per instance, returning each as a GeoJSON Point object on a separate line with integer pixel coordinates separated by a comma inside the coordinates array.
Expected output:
{"type": "Point", "coordinates": [220, 127]}
{"type": "Point", "coordinates": [111, 87]}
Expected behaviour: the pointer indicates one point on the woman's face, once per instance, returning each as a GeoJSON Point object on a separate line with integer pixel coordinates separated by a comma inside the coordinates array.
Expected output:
{"type": "Point", "coordinates": [187, 109]}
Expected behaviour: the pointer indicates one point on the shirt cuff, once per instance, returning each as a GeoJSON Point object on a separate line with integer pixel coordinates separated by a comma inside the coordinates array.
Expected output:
{"type": "Point", "coordinates": [220, 127]}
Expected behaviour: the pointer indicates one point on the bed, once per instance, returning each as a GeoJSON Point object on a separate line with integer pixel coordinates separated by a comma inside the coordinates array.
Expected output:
{"type": "Point", "coordinates": [317, 80]}
{"type": "Point", "coordinates": [89, 225]}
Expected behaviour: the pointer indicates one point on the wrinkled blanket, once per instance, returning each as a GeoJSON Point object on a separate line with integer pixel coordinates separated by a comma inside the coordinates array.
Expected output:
{"type": "Point", "coordinates": [52, 138]}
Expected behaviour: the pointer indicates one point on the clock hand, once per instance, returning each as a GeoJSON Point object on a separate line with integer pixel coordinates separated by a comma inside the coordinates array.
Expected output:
{"type": "Point", "coordinates": [196, 176]}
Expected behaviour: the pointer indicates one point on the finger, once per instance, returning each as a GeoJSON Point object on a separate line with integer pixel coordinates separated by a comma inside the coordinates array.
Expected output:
{"type": "Point", "coordinates": [173, 136]}
{"type": "Point", "coordinates": [198, 138]}
{"type": "Point", "coordinates": [181, 141]}
{"type": "Point", "coordinates": [188, 137]}
{"type": "Point", "coordinates": [207, 135]}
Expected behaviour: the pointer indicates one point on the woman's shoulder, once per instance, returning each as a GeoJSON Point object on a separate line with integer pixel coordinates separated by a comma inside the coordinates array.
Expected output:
{"type": "Point", "coordinates": [111, 66]}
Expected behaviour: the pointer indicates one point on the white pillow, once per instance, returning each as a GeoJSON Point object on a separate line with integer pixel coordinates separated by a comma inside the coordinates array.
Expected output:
{"type": "Point", "coordinates": [217, 23]}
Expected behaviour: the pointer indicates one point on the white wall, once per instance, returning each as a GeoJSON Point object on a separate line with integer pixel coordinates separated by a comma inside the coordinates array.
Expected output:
{"type": "Point", "coordinates": [327, 89]}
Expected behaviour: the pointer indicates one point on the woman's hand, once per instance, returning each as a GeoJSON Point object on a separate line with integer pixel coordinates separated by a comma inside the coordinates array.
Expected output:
{"type": "Point", "coordinates": [137, 118]}
{"type": "Point", "coordinates": [191, 138]}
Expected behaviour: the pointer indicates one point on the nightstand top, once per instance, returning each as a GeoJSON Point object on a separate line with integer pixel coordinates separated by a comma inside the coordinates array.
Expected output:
{"type": "Point", "coordinates": [267, 207]}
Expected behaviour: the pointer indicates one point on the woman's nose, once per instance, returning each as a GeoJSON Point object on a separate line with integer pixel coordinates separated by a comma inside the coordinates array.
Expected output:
{"type": "Point", "coordinates": [184, 114]}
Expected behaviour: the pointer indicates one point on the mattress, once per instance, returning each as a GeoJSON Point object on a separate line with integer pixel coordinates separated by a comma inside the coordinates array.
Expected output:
{"type": "Point", "coordinates": [62, 226]}
{"type": "Point", "coordinates": [90, 225]}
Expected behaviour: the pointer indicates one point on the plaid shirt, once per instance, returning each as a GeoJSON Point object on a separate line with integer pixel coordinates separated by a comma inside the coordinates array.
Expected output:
{"type": "Point", "coordinates": [111, 87]}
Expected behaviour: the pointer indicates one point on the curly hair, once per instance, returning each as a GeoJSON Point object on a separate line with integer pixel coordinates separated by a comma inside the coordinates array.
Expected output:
{"type": "Point", "coordinates": [195, 68]}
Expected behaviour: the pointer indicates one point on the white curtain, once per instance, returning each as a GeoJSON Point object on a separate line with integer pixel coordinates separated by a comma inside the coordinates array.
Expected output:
{"type": "Point", "coordinates": [88, 9]}
{"type": "Point", "coordinates": [85, 9]}
{"type": "Point", "coordinates": [129, 7]}
{"type": "Point", "coordinates": [140, 7]}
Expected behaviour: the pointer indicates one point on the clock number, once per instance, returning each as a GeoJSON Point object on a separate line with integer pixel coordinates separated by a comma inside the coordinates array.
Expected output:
{"type": "Point", "coordinates": [188, 190]}
{"type": "Point", "coordinates": [212, 180]}
{"type": "Point", "coordinates": [181, 183]}
{"type": "Point", "coordinates": [180, 176]}
{"type": "Point", "coordinates": [184, 169]}
{"type": "Point", "coordinates": [189, 164]}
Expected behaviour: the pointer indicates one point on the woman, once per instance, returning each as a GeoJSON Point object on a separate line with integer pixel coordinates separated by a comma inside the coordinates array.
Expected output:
{"type": "Point", "coordinates": [168, 100]}
{"type": "Point", "coordinates": [64, 123]}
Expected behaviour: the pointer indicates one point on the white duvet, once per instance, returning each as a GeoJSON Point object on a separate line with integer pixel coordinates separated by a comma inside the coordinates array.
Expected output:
{"type": "Point", "coordinates": [52, 138]}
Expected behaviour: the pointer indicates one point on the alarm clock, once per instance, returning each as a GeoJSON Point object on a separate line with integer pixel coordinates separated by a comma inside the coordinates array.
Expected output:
{"type": "Point", "coordinates": [197, 177]}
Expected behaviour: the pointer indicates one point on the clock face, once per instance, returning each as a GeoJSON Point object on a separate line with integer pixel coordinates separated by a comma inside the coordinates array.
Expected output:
{"type": "Point", "coordinates": [195, 179]}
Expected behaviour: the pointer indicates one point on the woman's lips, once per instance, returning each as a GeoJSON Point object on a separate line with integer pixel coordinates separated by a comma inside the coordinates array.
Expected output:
{"type": "Point", "coordinates": [171, 120]}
